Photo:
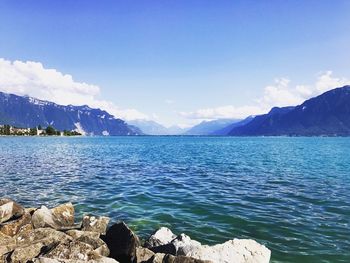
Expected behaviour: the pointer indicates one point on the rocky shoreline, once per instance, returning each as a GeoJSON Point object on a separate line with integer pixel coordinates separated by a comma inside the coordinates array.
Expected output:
{"type": "Point", "coordinates": [43, 235]}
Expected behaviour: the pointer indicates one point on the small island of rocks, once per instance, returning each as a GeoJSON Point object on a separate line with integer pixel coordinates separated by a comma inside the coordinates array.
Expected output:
{"type": "Point", "coordinates": [43, 235]}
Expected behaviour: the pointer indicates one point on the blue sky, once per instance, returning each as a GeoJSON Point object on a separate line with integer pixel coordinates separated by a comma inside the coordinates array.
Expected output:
{"type": "Point", "coordinates": [179, 62]}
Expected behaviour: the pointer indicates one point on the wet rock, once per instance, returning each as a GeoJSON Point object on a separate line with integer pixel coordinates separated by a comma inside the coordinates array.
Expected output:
{"type": "Point", "coordinates": [95, 224]}
{"type": "Point", "coordinates": [182, 259]}
{"type": "Point", "coordinates": [13, 227]}
{"type": "Point", "coordinates": [237, 250]}
{"type": "Point", "coordinates": [122, 242]}
{"type": "Point", "coordinates": [161, 237]}
{"type": "Point", "coordinates": [64, 215]}
{"type": "Point", "coordinates": [9, 210]}
{"type": "Point", "coordinates": [143, 255]}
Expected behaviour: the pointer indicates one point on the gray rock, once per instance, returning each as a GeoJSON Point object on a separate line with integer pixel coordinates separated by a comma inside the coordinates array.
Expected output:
{"type": "Point", "coordinates": [95, 224]}
{"type": "Point", "coordinates": [9, 209]}
{"type": "Point", "coordinates": [122, 242]}
{"type": "Point", "coordinates": [161, 237]}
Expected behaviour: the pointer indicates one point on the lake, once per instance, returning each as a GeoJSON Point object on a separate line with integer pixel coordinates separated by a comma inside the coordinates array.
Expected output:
{"type": "Point", "coordinates": [290, 194]}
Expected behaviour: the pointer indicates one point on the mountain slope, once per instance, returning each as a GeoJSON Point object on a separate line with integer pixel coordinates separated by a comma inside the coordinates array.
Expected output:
{"type": "Point", "coordinates": [23, 111]}
{"type": "Point", "coordinates": [153, 128]}
{"type": "Point", "coordinates": [327, 114]}
{"type": "Point", "coordinates": [209, 127]}
{"type": "Point", "coordinates": [226, 130]}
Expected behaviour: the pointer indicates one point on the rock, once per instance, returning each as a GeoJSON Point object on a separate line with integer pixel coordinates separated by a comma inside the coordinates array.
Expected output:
{"type": "Point", "coordinates": [30, 210]}
{"type": "Point", "coordinates": [7, 244]}
{"type": "Point", "coordinates": [9, 209]}
{"type": "Point", "coordinates": [78, 233]}
{"type": "Point", "coordinates": [157, 258]}
{"type": "Point", "coordinates": [27, 253]}
{"type": "Point", "coordinates": [74, 250]}
{"type": "Point", "coordinates": [182, 259]}
{"type": "Point", "coordinates": [91, 238]}
{"type": "Point", "coordinates": [184, 244]}
{"type": "Point", "coordinates": [143, 255]}
{"type": "Point", "coordinates": [13, 227]}
{"type": "Point", "coordinates": [50, 260]}
{"type": "Point", "coordinates": [237, 250]}
{"type": "Point", "coordinates": [64, 214]}
{"type": "Point", "coordinates": [161, 237]}
{"type": "Point", "coordinates": [43, 217]}
{"type": "Point", "coordinates": [122, 242]}
{"type": "Point", "coordinates": [178, 246]}
{"type": "Point", "coordinates": [95, 224]}
{"type": "Point", "coordinates": [47, 235]}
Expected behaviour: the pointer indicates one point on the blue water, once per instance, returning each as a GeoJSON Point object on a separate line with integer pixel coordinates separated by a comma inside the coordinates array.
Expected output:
{"type": "Point", "coordinates": [291, 194]}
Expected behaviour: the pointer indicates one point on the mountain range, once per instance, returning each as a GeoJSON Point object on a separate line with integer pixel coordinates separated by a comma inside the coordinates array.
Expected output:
{"type": "Point", "coordinates": [28, 112]}
{"type": "Point", "coordinates": [210, 127]}
{"type": "Point", "coordinates": [150, 127]}
{"type": "Point", "coordinates": [325, 115]}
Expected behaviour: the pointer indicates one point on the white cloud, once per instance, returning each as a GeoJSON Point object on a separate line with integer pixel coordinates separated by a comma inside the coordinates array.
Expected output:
{"type": "Point", "coordinates": [32, 79]}
{"type": "Point", "coordinates": [280, 94]}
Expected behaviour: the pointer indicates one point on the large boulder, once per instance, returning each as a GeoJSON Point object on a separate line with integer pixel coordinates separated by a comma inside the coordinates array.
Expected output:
{"type": "Point", "coordinates": [9, 209]}
{"type": "Point", "coordinates": [64, 214]}
{"type": "Point", "coordinates": [237, 251]}
{"type": "Point", "coordinates": [161, 237]}
{"type": "Point", "coordinates": [95, 224]}
{"type": "Point", "coordinates": [13, 227]}
{"type": "Point", "coordinates": [122, 242]}
{"type": "Point", "coordinates": [43, 217]}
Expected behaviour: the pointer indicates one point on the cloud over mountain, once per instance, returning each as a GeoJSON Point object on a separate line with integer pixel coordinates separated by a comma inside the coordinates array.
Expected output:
{"type": "Point", "coordinates": [280, 94]}
{"type": "Point", "coordinates": [33, 79]}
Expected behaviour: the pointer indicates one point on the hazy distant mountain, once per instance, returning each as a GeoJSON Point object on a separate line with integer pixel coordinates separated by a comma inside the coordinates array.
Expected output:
{"type": "Point", "coordinates": [327, 114]}
{"type": "Point", "coordinates": [24, 111]}
{"type": "Point", "coordinates": [209, 127]}
{"type": "Point", "coordinates": [226, 130]}
{"type": "Point", "coordinates": [153, 128]}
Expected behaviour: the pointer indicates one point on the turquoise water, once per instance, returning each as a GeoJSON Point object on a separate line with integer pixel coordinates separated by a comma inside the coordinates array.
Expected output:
{"type": "Point", "coordinates": [291, 194]}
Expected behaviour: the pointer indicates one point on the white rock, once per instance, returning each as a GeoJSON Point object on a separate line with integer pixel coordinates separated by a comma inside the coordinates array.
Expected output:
{"type": "Point", "coordinates": [184, 245]}
{"type": "Point", "coordinates": [232, 251]}
{"type": "Point", "coordinates": [161, 237]}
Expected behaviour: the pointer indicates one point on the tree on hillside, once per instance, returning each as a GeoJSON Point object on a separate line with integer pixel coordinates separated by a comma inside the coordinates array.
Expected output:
{"type": "Point", "coordinates": [50, 130]}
